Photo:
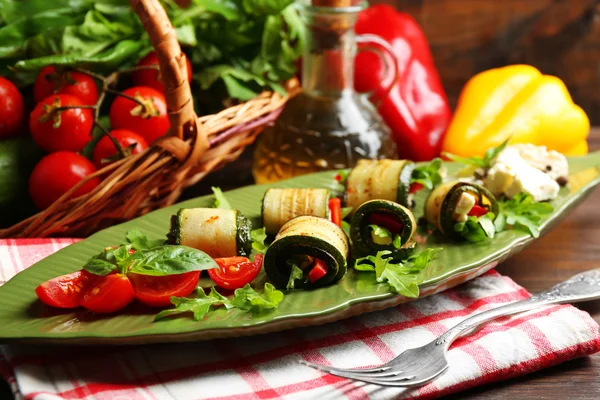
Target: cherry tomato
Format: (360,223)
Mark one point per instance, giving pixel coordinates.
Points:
(65,291)
(55,130)
(56,174)
(386,221)
(78,84)
(12,111)
(235,272)
(318,271)
(156,291)
(151,78)
(149,119)
(477,211)
(335,210)
(108,294)
(415,187)
(105,151)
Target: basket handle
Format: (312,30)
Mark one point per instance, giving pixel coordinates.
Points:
(171,61)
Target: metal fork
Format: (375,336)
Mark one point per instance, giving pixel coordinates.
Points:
(417,366)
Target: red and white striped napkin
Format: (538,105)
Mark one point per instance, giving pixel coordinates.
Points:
(266,366)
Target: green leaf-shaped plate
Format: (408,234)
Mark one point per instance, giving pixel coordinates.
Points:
(24,318)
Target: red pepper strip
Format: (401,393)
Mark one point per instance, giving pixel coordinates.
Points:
(416,109)
(388,222)
(335,210)
(415,187)
(477,211)
(318,271)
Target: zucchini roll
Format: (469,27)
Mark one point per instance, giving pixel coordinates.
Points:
(379,179)
(281,205)
(217,232)
(315,246)
(383,225)
(452,205)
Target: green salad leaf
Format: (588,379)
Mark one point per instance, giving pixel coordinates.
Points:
(220,199)
(296,274)
(345,224)
(522,212)
(379,231)
(258,240)
(199,306)
(428,175)
(141,241)
(111,259)
(477,229)
(248,299)
(485,162)
(170,260)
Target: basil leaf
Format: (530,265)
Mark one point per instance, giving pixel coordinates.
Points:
(428,175)
(220,199)
(295,274)
(169,260)
(111,259)
(140,241)
(99,266)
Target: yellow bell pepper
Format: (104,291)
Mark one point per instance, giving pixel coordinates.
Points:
(518,103)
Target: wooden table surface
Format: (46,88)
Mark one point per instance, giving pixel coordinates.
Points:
(571,247)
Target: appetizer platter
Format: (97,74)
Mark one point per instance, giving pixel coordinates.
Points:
(299,252)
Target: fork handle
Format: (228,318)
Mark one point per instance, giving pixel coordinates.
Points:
(581,287)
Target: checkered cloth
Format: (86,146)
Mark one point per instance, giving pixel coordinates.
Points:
(266,366)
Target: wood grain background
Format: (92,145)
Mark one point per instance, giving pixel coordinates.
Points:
(560,37)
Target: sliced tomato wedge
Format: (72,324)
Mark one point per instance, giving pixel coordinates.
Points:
(477,211)
(235,272)
(318,271)
(65,291)
(386,221)
(415,187)
(156,291)
(335,210)
(108,294)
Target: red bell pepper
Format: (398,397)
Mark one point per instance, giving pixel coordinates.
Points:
(416,108)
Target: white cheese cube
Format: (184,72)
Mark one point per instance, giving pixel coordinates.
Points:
(464,204)
(551,162)
(533,181)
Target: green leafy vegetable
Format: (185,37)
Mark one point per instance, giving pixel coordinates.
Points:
(169,260)
(220,199)
(476,229)
(380,231)
(296,274)
(258,240)
(403,277)
(479,162)
(428,175)
(111,259)
(140,241)
(522,212)
(245,298)
(345,224)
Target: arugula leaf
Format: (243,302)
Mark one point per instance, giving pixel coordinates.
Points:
(111,259)
(476,229)
(140,241)
(428,175)
(248,299)
(485,162)
(199,306)
(258,240)
(220,199)
(402,283)
(522,212)
(380,231)
(295,274)
(169,260)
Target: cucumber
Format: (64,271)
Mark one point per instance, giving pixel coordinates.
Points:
(281,205)
(360,232)
(442,201)
(379,179)
(312,237)
(216,231)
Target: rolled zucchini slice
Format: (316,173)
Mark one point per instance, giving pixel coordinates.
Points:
(379,179)
(216,231)
(449,203)
(301,242)
(281,205)
(396,222)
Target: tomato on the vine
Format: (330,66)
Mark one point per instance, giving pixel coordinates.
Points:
(150,77)
(56,174)
(108,294)
(50,81)
(235,272)
(156,291)
(11,109)
(146,116)
(65,291)
(55,128)
(105,151)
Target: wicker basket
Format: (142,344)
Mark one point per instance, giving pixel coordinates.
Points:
(156,177)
